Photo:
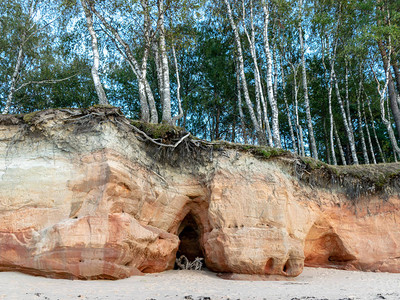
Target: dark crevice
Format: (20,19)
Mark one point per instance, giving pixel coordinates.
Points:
(189,236)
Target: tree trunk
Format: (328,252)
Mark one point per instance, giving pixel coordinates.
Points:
(287,110)
(260,134)
(397,76)
(160,81)
(385,121)
(299,130)
(393,96)
(328,156)
(96,57)
(128,54)
(347,101)
(166,90)
(371,147)
(342,156)
(375,135)
(331,119)
(363,144)
(270,87)
(306,99)
(239,95)
(260,98)
(178,89)
(14,79)
(349,133)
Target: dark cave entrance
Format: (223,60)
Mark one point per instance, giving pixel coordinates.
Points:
(189,235)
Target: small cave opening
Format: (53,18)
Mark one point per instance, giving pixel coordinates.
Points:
(323,247)
(189,235)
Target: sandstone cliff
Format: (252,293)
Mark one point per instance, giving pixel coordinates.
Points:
(84,194)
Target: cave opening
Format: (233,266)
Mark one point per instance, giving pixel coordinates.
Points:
(324,247)
(189,235)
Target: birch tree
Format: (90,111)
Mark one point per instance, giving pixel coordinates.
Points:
(311,137)
(256,124)
(165,89)
(260,98)
(145,93)
(349,132)
(382,94)
(96,57)
(270,87)
(30,31)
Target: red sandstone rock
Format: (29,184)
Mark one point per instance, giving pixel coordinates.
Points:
(93,204)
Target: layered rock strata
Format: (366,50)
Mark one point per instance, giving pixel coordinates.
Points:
(83,195)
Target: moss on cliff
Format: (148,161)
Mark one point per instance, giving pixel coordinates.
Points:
(159,131)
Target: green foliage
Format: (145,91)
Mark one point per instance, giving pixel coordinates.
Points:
(59,46)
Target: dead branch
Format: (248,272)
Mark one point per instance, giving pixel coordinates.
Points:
(44,81)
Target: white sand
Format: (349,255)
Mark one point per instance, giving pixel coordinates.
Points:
(313,284)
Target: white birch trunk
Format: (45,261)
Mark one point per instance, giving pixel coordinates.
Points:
(349,133)
(360,126)
(239,95)
(385,121)
(260,134)
(375,135)
(347,101)
(257,78)
(260,98)
(371,147)
(166,90)
(144,109)
(270,87)
(343,158)
(96,56)
(306,99)
(287,110)
(159,71)
(311,137)
(331,117)
(152,104)
(178,88)
(299,130)
(14,79)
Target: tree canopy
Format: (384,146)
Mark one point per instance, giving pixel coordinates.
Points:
(318,77)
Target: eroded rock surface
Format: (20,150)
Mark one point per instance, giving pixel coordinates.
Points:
(82,196)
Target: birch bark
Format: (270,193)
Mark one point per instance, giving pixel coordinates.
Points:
(166,90)
(360,125)
(14,79)
(270,87)
(260,98)
(375,135)
(299,130)
(128,54)
(385,121)
(259,132)
(295,149)
(178,88)
(311,137)
(239,95)
(349,133)
(343,158)
(96,57)
(371,147)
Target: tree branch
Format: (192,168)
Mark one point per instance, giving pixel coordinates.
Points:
(44,81)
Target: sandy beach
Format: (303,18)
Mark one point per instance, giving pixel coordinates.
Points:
(313,283)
